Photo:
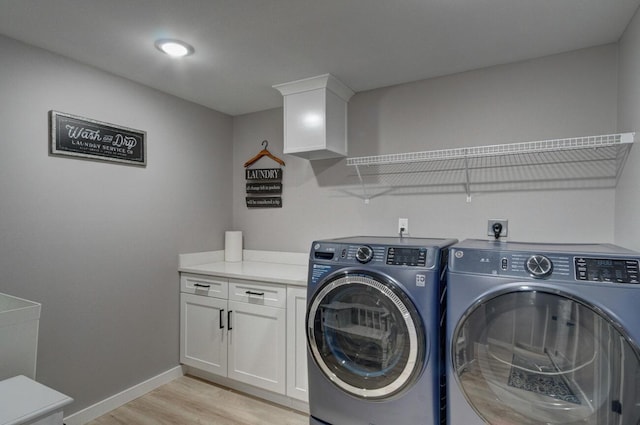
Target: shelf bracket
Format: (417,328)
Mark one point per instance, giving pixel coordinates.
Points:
(626,139)
(364,189)
(467,185)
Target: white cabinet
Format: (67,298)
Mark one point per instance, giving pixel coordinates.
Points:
(257,334)
(235,329)
(204,285)
(315,117)
(297,344)
(203,336)
(257,345)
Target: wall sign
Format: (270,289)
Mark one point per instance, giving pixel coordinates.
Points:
(264,187)
(264,181)
(91,139)
(264,202)
(263,174)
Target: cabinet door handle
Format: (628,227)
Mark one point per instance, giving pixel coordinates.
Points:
(261,294)
(229,319)
(221,314)
(201,285)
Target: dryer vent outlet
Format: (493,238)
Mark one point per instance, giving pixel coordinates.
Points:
(498,228)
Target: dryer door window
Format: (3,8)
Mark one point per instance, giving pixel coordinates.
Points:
(535,357)
(366,336)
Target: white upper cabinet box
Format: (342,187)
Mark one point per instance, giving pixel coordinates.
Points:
(315,117)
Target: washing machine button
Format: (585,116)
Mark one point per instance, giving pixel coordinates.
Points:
(538,266)
(364,254)
(504,264)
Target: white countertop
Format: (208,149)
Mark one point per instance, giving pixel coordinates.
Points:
(267,266)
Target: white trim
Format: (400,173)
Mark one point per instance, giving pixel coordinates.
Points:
(324,81)
(105,406)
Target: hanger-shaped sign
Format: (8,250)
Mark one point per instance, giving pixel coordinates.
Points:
(264,152)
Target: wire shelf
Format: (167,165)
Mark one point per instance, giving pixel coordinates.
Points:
(593,161)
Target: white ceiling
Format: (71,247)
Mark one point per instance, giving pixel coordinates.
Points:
(243,47)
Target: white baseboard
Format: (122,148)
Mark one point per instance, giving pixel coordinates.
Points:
(90,413)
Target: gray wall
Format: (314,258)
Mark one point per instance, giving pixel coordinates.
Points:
(567,95)
(97,243)
(627,229)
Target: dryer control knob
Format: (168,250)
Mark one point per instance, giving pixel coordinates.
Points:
(364,254)
(539,266)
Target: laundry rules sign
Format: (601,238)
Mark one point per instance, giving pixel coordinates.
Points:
(262,184)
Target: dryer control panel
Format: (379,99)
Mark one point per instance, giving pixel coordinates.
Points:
(547,264)
(606,270)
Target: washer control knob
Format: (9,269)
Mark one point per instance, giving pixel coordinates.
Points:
(364,254)
(539,266)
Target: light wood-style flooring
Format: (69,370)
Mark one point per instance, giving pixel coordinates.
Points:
(189,400)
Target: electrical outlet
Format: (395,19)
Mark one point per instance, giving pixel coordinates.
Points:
(502,225)
(403,226)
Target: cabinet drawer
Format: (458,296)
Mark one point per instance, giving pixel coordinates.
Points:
(204,285)
(259,293)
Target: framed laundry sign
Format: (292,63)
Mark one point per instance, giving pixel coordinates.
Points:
(262,183)
(75,136)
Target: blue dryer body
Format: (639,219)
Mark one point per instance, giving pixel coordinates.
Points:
(543,333)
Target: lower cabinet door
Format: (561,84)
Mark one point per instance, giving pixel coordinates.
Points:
(203,334)
(297,384)
(256,341)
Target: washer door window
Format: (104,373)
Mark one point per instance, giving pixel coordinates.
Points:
(533,357)
(366,335)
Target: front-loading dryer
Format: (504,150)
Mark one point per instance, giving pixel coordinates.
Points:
(542,334)
(373,330)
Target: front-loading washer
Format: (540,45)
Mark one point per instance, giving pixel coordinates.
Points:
(373,330)
(542,334)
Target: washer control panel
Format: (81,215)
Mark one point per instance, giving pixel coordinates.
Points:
(376,255)
(606,270)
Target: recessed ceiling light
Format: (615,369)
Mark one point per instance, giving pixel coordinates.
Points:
(174,48)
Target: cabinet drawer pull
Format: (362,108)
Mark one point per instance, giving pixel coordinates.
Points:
(229,319)
(221,324)
(261,294)
(201,285)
